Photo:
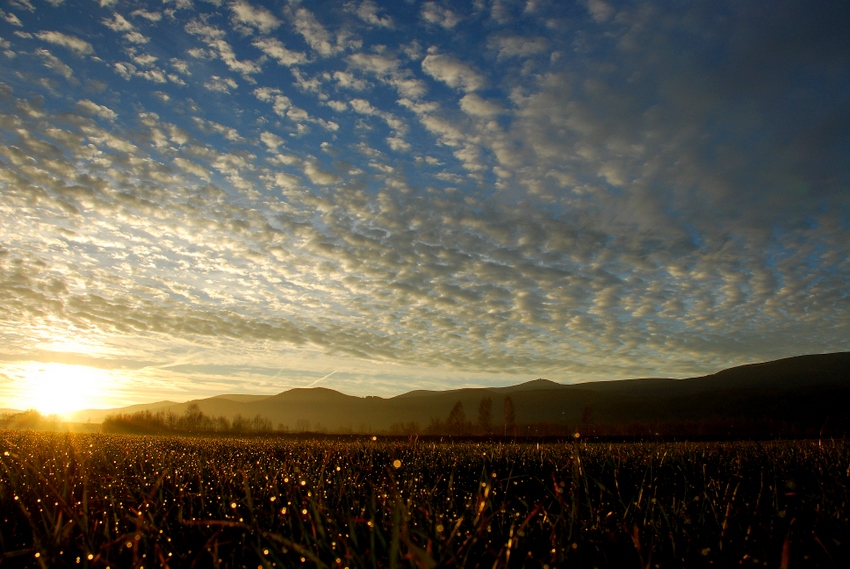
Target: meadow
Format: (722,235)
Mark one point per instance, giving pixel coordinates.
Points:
(93,500)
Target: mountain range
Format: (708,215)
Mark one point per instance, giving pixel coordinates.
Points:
(798,395)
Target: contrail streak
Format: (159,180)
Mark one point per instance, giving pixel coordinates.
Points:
(322,378)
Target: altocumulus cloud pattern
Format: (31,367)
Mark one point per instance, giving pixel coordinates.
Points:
(199,196)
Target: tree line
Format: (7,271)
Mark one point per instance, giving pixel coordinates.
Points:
(30,420)
(488,423)
(457,423)
(192,421)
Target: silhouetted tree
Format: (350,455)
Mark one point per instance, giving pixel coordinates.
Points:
(457,419)
(260,424)
(172,420)
(435,426)
(485,414)
(239,424)
(222,425)
(193,417)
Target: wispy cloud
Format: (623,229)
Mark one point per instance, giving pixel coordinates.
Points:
(73,43)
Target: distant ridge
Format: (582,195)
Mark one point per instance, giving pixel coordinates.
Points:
(97,415)
(794,395)
(241,397)
(532,385)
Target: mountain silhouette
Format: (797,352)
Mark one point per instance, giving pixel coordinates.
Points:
(798,395)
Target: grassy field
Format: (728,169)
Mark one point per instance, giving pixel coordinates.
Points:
(122,501)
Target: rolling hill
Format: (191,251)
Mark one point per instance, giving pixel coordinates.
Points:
(804,394)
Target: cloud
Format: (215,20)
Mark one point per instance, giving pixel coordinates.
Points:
(271,140)
(381,65)
(177,135)
(75,44)
(398,144)
(453,72)
(367,11)
(319,176)
(125,70)
(283,107)
(349,81)
(275,49)
(474,105)
(11,18)
(179,4)
(152,17)
(142,59)
(286,181)
(600,10)
(192,168)
(180,66)
(260,19)
(364,107)
(208,126)
(204,31)
(280,102)
(438,15)
(136,37)
(93,108)
(518,46)
(118,23)
(56,64)
(630,208)
(314,33)
(214,38)
(221,84)
(143,66)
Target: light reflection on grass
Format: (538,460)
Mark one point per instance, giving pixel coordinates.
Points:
(128,500)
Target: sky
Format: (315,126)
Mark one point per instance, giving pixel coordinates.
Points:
(234,196)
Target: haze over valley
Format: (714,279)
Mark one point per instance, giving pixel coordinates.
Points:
(794,396)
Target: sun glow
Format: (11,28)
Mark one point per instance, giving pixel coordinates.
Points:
(52,388)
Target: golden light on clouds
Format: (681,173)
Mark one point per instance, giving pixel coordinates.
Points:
(203,197)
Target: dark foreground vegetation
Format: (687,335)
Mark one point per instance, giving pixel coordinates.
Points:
(118,501)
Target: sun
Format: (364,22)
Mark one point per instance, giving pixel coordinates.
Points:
(59,389)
